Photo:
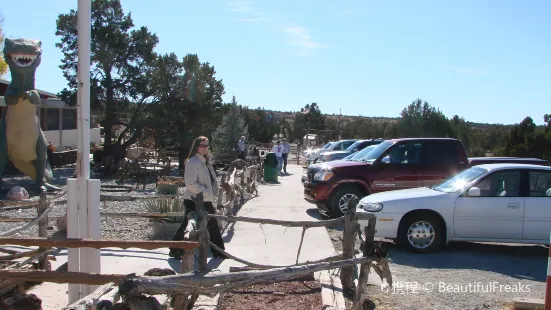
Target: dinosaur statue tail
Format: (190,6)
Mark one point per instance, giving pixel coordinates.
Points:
(48,174)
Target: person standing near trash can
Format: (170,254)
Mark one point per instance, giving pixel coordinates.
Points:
(199,177)
(286,151)
(241,148)
(278,151)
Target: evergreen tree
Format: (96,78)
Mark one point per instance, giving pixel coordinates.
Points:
(226,136)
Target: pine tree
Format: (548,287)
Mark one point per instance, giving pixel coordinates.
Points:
(226,136)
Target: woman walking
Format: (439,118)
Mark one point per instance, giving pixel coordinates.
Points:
(199,177)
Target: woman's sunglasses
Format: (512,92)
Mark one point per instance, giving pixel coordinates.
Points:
(203,145)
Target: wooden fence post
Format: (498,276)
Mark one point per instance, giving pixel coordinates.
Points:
(219,204)
(181,302)
(348,244)
(43,224)
(242,186)
(360,293)
(204,237)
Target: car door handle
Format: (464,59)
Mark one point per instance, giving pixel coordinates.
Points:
(513,206)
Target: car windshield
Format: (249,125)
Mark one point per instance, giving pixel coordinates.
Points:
(353,146)
(363,153)
(327,145)
(377,151)
(458,181)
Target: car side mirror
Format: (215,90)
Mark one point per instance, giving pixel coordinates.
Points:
(385,160)
(474,192)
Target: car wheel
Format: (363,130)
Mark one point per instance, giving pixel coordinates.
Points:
(421,233)
(341,198)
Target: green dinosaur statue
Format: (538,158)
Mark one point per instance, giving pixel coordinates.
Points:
(21,138)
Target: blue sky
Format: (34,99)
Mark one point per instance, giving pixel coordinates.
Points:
(486,60)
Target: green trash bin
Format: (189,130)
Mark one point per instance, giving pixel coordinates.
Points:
(270,168)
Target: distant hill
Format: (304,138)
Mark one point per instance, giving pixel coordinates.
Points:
(289,117)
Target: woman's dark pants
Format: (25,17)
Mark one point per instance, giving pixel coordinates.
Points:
(212,226)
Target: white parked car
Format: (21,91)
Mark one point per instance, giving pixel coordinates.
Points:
(508,203)
(312,154)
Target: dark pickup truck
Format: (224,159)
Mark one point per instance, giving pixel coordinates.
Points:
(392,165)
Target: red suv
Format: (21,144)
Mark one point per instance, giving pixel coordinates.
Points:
(393,164)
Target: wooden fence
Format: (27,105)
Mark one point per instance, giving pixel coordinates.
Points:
(194,279)
(233,187)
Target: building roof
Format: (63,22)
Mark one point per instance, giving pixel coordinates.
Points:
(49,103)
(44,94)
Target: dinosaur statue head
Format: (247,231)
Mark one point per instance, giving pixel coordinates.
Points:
(22,55)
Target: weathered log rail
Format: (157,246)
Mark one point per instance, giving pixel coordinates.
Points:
(235,183)
(40,255)
(98,243)
(230,190)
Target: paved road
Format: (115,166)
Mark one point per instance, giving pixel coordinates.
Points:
(496,273)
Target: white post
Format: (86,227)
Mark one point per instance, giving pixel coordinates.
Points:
(94,230)
(84,192)
(83,127)
(83,113)
(73,255)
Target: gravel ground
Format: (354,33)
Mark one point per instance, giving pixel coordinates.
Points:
(111,228)
(497,273)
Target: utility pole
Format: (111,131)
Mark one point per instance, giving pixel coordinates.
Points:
(308,130)
(339,126)
(306,112)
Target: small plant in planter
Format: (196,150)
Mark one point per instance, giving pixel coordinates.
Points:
(166,227)
(169,185)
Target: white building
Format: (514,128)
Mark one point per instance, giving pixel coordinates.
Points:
(57,119)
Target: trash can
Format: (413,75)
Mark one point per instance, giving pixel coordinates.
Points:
(270,168)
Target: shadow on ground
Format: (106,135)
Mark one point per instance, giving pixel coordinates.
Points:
(228,231)
(212,264)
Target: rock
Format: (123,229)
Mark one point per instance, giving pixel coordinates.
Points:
(20,301)
(159,272)
(17,193)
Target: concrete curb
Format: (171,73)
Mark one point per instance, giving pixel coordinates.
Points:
(206,303)
(528,303)
(331,290)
